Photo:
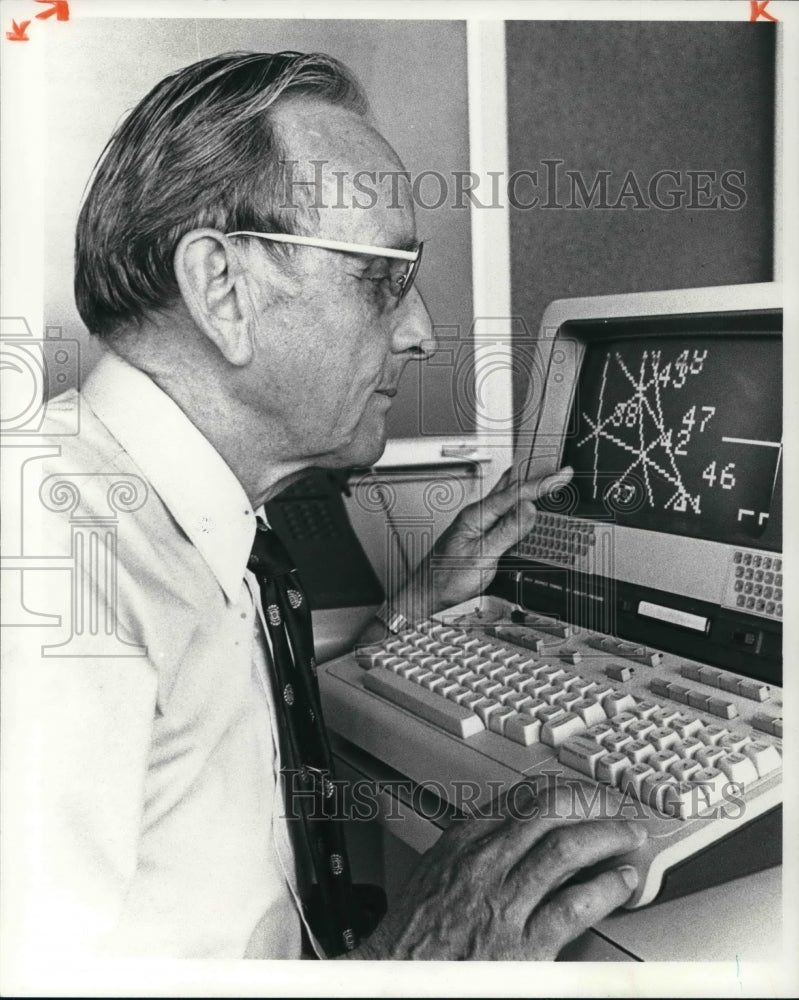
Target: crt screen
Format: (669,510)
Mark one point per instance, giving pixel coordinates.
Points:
(681,434)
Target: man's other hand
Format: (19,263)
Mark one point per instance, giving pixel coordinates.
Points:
(493,889)
(463,561)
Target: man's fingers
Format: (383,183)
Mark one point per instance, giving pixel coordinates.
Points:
(534,489)
(573,910)
(519,515)
(564,846)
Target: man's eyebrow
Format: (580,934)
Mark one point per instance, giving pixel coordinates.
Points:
(409,244)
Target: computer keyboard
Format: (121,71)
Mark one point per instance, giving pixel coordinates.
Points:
(693,750)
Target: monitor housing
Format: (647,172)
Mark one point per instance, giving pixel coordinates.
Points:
(668,406)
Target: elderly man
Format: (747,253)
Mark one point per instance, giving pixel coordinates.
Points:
(255,330)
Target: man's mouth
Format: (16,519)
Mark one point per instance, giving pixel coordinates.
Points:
(391,393)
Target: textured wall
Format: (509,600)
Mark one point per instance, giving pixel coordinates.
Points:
(639,97)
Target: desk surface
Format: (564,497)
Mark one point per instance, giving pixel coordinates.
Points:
(739,920)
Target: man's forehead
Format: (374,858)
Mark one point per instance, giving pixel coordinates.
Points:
(348,172)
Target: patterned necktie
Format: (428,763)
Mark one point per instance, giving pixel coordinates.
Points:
(288,620)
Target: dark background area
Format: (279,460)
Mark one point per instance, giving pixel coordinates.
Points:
(640,97)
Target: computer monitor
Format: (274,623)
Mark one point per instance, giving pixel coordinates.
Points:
(668,406)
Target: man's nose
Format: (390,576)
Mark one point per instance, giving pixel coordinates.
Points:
(414,328)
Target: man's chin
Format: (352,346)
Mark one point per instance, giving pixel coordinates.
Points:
(360,453)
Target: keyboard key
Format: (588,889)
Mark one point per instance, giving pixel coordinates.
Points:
(486,708)
(662,738)
(471,700)
(619,701)
(690,670)
(611,767)
(535,706)
(459,694)
(600,731)
(366,656)
(640,654)
(686,725)
(662,760)
(682,769)
(433,682)
(497,720)
(458,638)
(754,690)
(550,713)
(638,751)
(568,699)
(711,676)
(680,800)
(646,709)
(679,692)
(764,722)
(487,687)
(557,731)
(699,700)
(665,716)
(582,754)
(735,742)
(522,729)
(640,728)
(602,690)
(660,687)
(739,768)
(408,670)
(710,756)
(722,708)
(619,671)
(504,694)
(712,734)
(654,788)
(552,673)
(633,778)
(729,682)
(550,693)
(591,712)
(711,782)
(518,700)
(629,650)
(765,757)
(447,715)
(571,656)
(690,746)
(469,678)
(520,637)
(527,685)
(470,660)
(617,742)
(621,721)
(449,687)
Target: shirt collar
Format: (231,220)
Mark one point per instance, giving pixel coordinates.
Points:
(191,477)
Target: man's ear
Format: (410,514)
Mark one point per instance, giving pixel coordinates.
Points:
(212,283)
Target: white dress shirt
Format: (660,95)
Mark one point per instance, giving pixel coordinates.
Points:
(143,748)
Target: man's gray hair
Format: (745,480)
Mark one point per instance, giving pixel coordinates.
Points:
(200,150)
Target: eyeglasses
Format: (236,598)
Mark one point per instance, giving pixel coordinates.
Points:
(401,277)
